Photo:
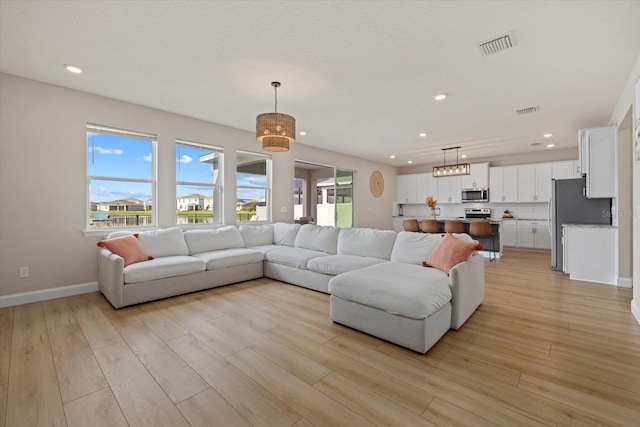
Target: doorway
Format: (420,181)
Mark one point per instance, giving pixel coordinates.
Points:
(323,194)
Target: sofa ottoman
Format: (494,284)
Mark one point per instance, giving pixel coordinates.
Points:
(406,304)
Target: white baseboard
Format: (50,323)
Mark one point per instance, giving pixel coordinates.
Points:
(625,282)
(46,294)
(635,309)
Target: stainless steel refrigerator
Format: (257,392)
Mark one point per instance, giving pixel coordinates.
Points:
(569,205)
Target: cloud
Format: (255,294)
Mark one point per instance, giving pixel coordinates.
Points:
(109,194)
(148,158)
(261,180)
(185,159)
(101,150)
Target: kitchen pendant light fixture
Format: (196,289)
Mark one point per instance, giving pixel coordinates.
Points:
(275,130)
(451,170)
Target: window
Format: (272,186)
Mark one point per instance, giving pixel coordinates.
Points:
(120,178)
(253,187)
(198,183)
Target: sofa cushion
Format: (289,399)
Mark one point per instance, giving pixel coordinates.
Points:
(230,257)
(450,252)
(285,234)
(318,238)
(366,242)
(398,288)
(256,235)
(213,239)
(415,248)
(265,248)
(164,242)
(338,264)
(126,247)
(292,257)
(159,268)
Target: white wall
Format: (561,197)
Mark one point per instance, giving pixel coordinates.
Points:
(630,99)
(42,177)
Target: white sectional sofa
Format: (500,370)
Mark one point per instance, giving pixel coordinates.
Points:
(375,277)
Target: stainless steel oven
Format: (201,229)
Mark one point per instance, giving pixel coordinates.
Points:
(477,213)
(475,195)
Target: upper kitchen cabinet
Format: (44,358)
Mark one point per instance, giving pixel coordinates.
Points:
(565,170)
(407,187)
(534,182)
(598,148)
(449,189)
(503,184)
(415,188)
(479,177)
(427,186)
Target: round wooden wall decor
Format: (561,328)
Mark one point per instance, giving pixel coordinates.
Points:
(376,183)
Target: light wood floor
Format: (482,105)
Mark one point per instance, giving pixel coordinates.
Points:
(540,350)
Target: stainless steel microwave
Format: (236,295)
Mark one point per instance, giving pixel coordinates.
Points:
(475,195)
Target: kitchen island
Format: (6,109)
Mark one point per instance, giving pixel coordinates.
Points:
(590,252)
(496,228)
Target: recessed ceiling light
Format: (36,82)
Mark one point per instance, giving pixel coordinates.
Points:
(410,161)
(440,97)
(303,133)
(464,156)
(72,68)
(393,156)
(551,145)
(422,135)
(548,135)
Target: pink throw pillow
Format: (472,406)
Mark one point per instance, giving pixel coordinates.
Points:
(126,247)
(450,252)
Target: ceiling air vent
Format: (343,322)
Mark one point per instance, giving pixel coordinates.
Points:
(527,110)
(496,45)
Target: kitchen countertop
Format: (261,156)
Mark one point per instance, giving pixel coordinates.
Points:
(589,225)
(443,219)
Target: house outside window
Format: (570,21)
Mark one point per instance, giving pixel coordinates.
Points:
(253,187)
(198,183)
(121,181)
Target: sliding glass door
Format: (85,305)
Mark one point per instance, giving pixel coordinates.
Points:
(344,198)
(329,194)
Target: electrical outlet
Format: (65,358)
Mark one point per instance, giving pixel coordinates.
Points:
(24,272)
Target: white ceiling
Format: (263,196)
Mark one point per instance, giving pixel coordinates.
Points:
(358,76)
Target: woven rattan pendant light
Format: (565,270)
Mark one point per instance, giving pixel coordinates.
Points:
(275,130)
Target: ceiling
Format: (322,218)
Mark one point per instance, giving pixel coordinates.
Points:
(359,76)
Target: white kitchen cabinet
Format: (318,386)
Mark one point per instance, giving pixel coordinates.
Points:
(401,189)
(565,170)
(590,253)
(533,235)
(415,188)
(479,177)
(503,184)
(449,189)
(398,224)
(426,186)
(534,182)
(407,188)
(598,147)
(509,234)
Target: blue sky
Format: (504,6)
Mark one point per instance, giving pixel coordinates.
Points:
(122,157)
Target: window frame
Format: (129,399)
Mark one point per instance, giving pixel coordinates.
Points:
(108,130)
(218,199)
(268,191)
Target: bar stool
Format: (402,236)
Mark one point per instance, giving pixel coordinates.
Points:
(452,226)
(429,226)
(483,229)
(410,225)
